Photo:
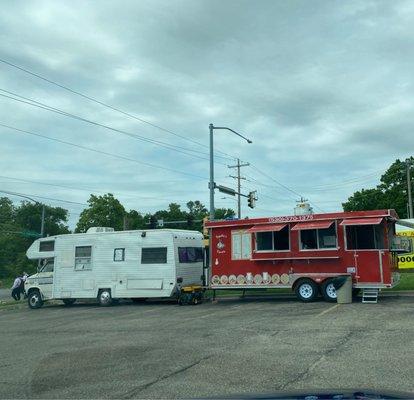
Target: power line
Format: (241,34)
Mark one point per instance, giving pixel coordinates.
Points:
(35,103)
(43,197)
(101,152)
(108,106)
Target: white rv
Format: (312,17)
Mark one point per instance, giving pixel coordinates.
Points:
(106,265)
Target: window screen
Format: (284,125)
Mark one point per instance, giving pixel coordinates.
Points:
(273,241)
(190,254)
(83,258)
(318,238)
(47,245)
(154,255)
(365,237)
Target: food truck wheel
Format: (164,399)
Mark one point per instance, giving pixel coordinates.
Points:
(68,302)
(306,290)
(328,291)
(35,299)
(105,298)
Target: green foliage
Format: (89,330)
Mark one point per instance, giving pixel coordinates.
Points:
(103,210)
(19,225)
(15,224)
(390,193)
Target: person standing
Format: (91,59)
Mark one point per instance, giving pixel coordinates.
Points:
(16,288)
(23,281)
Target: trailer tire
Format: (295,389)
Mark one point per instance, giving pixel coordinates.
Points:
(68,302)
(328,291)
(34,299)
(306,290)
(105,298)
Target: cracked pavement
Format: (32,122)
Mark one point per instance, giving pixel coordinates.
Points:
(158,349)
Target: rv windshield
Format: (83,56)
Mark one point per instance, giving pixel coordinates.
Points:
(47,265)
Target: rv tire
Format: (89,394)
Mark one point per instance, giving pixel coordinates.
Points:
(328,291)
(68,302)
(306,290)
(34,299)
(105,298)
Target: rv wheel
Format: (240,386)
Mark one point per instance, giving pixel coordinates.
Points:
(68,302)
(35,299)
(105,298)
(306,290)
(328,291)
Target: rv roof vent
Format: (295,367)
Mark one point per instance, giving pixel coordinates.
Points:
(99,229)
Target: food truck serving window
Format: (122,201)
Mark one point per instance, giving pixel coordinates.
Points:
(241,245)
(273,240)
(317,235)
(364,237)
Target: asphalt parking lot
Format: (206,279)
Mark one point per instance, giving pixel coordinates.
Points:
(161,350)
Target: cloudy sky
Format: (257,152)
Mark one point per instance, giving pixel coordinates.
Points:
(324,89)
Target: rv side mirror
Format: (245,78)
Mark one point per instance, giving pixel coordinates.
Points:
(180,280)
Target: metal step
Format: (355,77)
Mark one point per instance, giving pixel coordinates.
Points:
(370,295)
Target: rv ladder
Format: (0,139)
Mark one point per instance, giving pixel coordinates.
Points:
(370,295)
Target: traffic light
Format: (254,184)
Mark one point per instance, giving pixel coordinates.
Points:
(251,199)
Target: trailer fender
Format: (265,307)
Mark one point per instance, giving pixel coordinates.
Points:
(300,279)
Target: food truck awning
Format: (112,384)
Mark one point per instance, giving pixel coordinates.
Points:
(301,226)
(267,228)
(361,221)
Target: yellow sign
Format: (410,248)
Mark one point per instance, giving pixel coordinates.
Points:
(406,261)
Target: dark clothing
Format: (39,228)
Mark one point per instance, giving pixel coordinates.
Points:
(16,293)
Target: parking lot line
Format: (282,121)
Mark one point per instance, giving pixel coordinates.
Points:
(327,310)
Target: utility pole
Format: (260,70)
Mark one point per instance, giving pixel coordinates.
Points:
(410,201)
(42,225)
(239,178)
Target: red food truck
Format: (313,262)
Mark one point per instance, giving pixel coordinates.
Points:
(306,252)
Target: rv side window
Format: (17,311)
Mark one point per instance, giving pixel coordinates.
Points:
(273,241)
(364,237)
(154,255)
(48,245)
(190,254)
(318,238)
(83,258)
(241,246)
(119,254)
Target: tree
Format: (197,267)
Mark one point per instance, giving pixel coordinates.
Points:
(390,193)
(103,210)
(15,221)
(135,220)
(224,213)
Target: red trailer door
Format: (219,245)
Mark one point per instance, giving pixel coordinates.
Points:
(369,266)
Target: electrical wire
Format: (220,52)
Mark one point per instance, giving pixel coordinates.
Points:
(42,197)
(101,152)
(109,106)
(46,107)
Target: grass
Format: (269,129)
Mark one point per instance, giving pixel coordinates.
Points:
(6,283)
(406,282)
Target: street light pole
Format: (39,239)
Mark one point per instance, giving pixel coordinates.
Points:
(212,184)
(42,225)
(410,201)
